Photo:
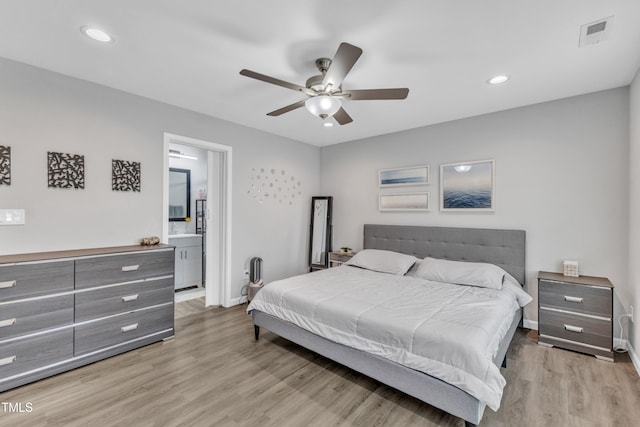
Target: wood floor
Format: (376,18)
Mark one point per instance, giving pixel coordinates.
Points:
(214,374)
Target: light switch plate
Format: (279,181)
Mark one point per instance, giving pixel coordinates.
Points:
(12,217)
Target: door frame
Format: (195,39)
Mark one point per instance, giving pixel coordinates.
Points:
(220,294)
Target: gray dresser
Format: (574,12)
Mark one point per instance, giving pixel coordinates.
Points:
(576,313)
(61,310)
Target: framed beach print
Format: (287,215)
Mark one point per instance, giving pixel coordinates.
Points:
(415,175)
(412,202)
(468,186)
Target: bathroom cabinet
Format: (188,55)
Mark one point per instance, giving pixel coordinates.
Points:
(188,260)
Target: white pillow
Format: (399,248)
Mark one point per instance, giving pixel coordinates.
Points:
(510,284)
(383,261)
(462,273)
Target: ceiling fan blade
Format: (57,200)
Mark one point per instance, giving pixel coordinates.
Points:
(341,64)
(273,80)
(367,94)
(342,117)
(287,108)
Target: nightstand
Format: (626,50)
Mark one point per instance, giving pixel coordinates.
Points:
(576,313)
(338,258)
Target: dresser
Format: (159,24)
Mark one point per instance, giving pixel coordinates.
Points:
(61,310)
(576,313)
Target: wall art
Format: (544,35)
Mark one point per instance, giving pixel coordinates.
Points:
(5,165)
(416,202)
(125,175)
(270,185)
(415,175)
(65,170)
(467,186)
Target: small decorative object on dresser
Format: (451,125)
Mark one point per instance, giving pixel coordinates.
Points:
(339,257)
(576,313)
(570,268)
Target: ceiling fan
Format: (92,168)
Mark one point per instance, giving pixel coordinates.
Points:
(325,92)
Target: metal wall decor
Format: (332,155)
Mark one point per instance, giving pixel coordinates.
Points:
(65,170)
(270,185)
(5,165)
(125,175)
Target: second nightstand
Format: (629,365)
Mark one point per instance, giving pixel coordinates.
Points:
(576,313)
(338,258)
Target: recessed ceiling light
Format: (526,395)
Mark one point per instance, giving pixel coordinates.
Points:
(497,80)
(96,34)
(327,124)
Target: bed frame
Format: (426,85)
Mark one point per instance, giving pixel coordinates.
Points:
(505,248)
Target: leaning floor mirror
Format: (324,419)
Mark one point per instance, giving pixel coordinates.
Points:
(320,233)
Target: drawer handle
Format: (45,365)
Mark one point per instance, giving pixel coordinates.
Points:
(572,299)
(7,360)
(130,267)
(8,322)
(9,284)
(573,329)
(130,298)
(128,328)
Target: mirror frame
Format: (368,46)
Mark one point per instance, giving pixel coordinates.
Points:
(187,172)
(327,235)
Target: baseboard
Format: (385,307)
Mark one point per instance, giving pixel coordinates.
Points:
(238,301)
(634,357)
(530,324)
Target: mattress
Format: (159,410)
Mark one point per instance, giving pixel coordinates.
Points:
(448,331)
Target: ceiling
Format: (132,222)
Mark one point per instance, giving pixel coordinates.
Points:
(189,53)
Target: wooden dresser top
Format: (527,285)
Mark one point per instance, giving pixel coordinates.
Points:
(76,253)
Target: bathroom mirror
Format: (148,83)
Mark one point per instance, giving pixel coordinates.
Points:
(179,194)
(320,243)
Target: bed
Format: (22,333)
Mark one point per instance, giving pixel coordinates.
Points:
(391,366)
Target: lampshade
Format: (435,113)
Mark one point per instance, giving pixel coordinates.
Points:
(323,105)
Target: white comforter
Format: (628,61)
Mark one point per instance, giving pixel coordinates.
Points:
(451,332)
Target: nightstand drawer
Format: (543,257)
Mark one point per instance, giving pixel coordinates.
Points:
(31,353)
(119,329)
(119,299)
(591,300)
(27,317)
(34,279)
(587,330)
(106,270)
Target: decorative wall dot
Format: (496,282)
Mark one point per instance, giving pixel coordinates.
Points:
(265,181)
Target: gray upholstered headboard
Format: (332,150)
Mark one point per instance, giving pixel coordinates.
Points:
(505,248)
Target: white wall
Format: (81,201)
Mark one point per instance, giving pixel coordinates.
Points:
(42,111)
(561,175)
(632,292)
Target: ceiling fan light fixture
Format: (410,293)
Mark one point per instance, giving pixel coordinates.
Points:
(323,105)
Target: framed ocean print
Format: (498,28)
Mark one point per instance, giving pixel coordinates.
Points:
(468,186)
(406,202)
(414,175)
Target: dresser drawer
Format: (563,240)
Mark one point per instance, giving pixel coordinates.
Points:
(34,279)
(119,329)
(106,270)
(591,300)
(27,317)
(35,352)
(103,302)
(586,330)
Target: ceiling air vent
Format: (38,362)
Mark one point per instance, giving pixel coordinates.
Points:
(595,32)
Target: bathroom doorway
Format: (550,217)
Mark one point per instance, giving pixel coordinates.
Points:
(208,166)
